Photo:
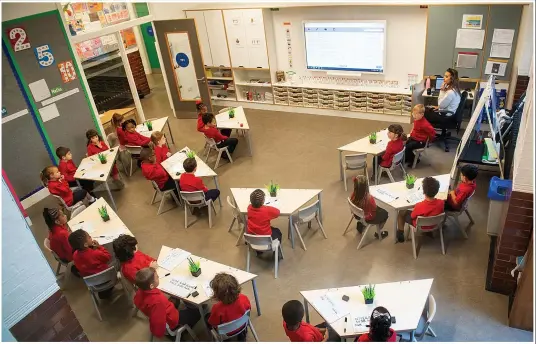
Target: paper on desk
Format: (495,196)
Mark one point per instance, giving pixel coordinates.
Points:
(357,322)
(86,226)
(87,165)
(108,238)
(272,202)
(444,183)
(92,174)
(329,307)
(173,258)
(208,290)
(383,195)
(415,197)
(178,286)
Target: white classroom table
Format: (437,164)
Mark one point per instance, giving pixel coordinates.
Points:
(91,168)
(158,125)
(400,190)
(289,201)
(363,145)
(404,300)
(209,269)
(239,122)
(173,166)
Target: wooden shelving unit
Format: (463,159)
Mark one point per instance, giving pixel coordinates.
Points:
(220,83)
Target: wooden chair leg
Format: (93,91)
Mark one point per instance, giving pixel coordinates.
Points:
(297,230)
(349,223)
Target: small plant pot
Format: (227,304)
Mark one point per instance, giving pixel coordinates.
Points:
(103,161)
(196,274)
(105,218)
(372,141)
(273,194)
(410,186)
(150,127)
(231,115)
(369,301)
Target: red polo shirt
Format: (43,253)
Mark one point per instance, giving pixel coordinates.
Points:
(59,242)
(189,182)
(422,130)
(200,123)
(259,219)
(161,153)
(222,313)
(365,337)
(214,133)
(94,149)
(427,208)
(393,147)
(305,333)
(138,262)
(369,208)
(155,305)
(61,189)
(154,172)
(68,169)
(121,136)
(136,139)
(91,261)
(463,191)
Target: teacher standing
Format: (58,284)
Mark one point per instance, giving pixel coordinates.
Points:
(448,100)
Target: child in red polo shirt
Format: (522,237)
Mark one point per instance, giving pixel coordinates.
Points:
(431,206)
(58,236)
(212,132)
(164,318)
(260,215)
(89,257)
(396,136)
(300,331)
(380,327)
(151,170)
(132,137)
(132,260)
(190,183)
(96,145)
(231,303)
(464,190)
(158,144)
(201,110)
(57,185)
(68,169)
(361,198)
(117,121)
(422,131)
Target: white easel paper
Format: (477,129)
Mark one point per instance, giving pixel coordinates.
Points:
(39,90)
(470,38)
(49,112)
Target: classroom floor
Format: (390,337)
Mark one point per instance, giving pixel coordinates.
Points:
(300,151)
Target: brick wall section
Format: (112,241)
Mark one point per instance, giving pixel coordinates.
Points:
(521,86)
(513,242)
(136,65)
(52,321)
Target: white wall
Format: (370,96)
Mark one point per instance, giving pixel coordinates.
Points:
(168,10)
(406,37)
(13,10)
(27,279)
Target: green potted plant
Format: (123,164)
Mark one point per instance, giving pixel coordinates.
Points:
(410,181)
(149,125)
(190,154)
(231,113)
(369,293)
(194,267)
(104,213)
(102,158)
(372,138)
(272,188)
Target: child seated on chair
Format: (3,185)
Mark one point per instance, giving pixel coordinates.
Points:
(380,327)
(89,257)
(158,144)
(132,260)
(430,206)
(230,305)
(396,136)
(156,306)
(68,169)
(57,185)
(58,236)
(132,137)
(422,130)
(212,132)
(464,190)
(201,110)
(299,331)
(96,145)
(153,171)
(189,182)
(117,121)
(260,215)
(362,199)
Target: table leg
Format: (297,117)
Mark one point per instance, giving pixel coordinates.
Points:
(248,138)
(256,295)
(217,187)
(340,165)
(290,230)
(110,194)
(202,312)
(306,307)
(396,225)
(170,134)
(376,167)
(78,183)
(320,205)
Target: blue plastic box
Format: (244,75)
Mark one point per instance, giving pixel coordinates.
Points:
(499,189)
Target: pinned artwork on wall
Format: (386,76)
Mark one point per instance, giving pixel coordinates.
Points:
(289,43)
(67,71)
(18,38)
(44,56)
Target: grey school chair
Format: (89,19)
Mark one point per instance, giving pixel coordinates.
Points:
(210,144)
(196,199)
(132,150)
(220,333)
(436,222)
(424,327)
(77,211)
(355,211)
(307,215)
(457,213)
(72,208)
(238,218)
(263,243)
(59,260)
(398,161)
(113,141)
(177,333)
(354,162)
(163,195)
(418,152)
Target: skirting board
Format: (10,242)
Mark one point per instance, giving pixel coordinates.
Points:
(35,198)
(313,111)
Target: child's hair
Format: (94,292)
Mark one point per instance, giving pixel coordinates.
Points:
(208,118)
(117,118)
(430,186)
(257,198)
(125,123)
(145,154)
(62,151)
(398,130)
(225,287)
(77,239)
(292,312)
(92,133)
(380,324)
(156,137)
(419,108)
(50,215)
(198,105)
(45,174)
(189,165)
(470,171)
(144,278)
(124,247)
(361,190)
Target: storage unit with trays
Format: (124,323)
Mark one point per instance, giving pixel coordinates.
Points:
(358,101)
(220,83)
(406,105)
(392,104)
(326,99)
(375,102)
(280,95)
(342,100)
(295,96)
(310,97)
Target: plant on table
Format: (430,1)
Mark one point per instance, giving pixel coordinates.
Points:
(149,125)
(231,113)
(369,293)
(102,158)
(194,267)
(190,154)
(103,212)
(272,188)
(410,181)
(372,138)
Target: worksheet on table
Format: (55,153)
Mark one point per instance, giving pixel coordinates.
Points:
(173,258)
(330,306)
(383,195)
(108,238)
(179,286)
(84,225)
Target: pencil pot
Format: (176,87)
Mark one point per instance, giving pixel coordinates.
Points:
(410,186)
(273,194)
(196,273)
(231,113)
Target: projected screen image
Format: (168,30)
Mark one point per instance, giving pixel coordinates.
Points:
(354,46)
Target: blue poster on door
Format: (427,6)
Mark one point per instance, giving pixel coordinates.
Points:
(150,31)
(182,60)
